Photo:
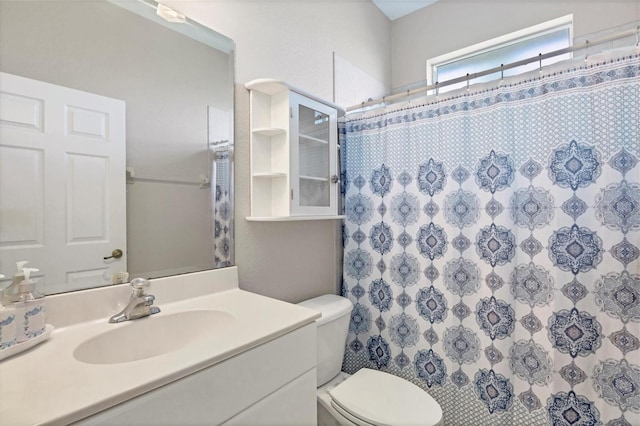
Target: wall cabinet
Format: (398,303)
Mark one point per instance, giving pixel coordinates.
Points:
(294,154)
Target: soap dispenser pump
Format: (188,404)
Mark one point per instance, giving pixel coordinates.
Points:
(30,311)
(10,294)
(18,277)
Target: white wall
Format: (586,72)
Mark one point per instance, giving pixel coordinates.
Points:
(449,25)
(291,40)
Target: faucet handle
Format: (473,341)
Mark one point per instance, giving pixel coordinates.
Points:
(140,285)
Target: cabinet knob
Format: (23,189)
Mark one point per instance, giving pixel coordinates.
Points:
(335,179)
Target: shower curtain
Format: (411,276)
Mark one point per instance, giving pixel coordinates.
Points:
(491,247)
(221,193)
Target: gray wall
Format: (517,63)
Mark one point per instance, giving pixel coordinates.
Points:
(292,41)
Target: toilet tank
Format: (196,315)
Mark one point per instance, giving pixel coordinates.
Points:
(332,329)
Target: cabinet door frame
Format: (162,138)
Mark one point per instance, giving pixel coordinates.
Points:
(296,209)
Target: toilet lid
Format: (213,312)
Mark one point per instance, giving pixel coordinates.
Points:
(383,399)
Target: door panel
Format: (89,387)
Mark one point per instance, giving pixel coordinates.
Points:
(21,111)
(21,205)
(87,208)
(86,123)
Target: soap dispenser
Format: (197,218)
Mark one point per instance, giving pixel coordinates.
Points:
(8,329)
(30,311)
(10,294)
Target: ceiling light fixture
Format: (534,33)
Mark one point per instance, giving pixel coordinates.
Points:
(169,14)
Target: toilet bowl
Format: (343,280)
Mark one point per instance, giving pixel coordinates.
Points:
(368,397)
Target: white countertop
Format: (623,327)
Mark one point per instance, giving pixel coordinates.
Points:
(47,385)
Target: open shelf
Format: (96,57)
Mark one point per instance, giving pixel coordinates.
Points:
(269,131)
(269,175)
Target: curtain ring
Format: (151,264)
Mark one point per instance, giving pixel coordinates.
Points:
(638,36)
(467,82)
(540,62)
(586,48)
(437,90)
(408,96)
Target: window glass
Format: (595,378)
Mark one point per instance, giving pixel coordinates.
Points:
(504,53)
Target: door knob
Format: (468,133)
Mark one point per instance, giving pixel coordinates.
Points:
(116,254)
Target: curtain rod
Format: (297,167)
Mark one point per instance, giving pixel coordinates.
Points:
(502,67)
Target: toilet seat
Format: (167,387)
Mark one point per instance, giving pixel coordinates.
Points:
(375,398)
(348,416)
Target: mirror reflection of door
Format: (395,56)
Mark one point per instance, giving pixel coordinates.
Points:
(62,180)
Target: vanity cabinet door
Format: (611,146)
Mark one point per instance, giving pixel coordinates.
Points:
(293,404)
(313,156)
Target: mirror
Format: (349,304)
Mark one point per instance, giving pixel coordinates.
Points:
(83,84)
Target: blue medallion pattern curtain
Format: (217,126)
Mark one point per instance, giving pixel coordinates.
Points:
(491,247)
(222,224)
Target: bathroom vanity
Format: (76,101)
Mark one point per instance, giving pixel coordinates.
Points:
(215,354)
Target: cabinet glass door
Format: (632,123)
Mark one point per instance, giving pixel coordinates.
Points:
(315,128)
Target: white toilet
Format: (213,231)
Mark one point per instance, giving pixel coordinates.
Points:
(369,397)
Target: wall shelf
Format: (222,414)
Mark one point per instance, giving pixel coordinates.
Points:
(269,131)
(293,154)
(269,175)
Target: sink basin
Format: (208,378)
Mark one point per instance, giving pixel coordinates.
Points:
(151,336)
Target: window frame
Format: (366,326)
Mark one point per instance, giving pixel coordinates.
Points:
(561,23)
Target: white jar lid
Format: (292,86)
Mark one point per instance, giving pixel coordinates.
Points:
(382,399)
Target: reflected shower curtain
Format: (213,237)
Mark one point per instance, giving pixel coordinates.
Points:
(221,188)
(491,248)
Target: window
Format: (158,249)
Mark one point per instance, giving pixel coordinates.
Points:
(542,38)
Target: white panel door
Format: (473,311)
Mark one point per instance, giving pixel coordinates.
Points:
(62,183)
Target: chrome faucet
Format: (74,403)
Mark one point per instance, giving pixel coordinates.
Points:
(140,304)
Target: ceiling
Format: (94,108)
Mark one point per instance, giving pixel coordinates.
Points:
(395,9)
